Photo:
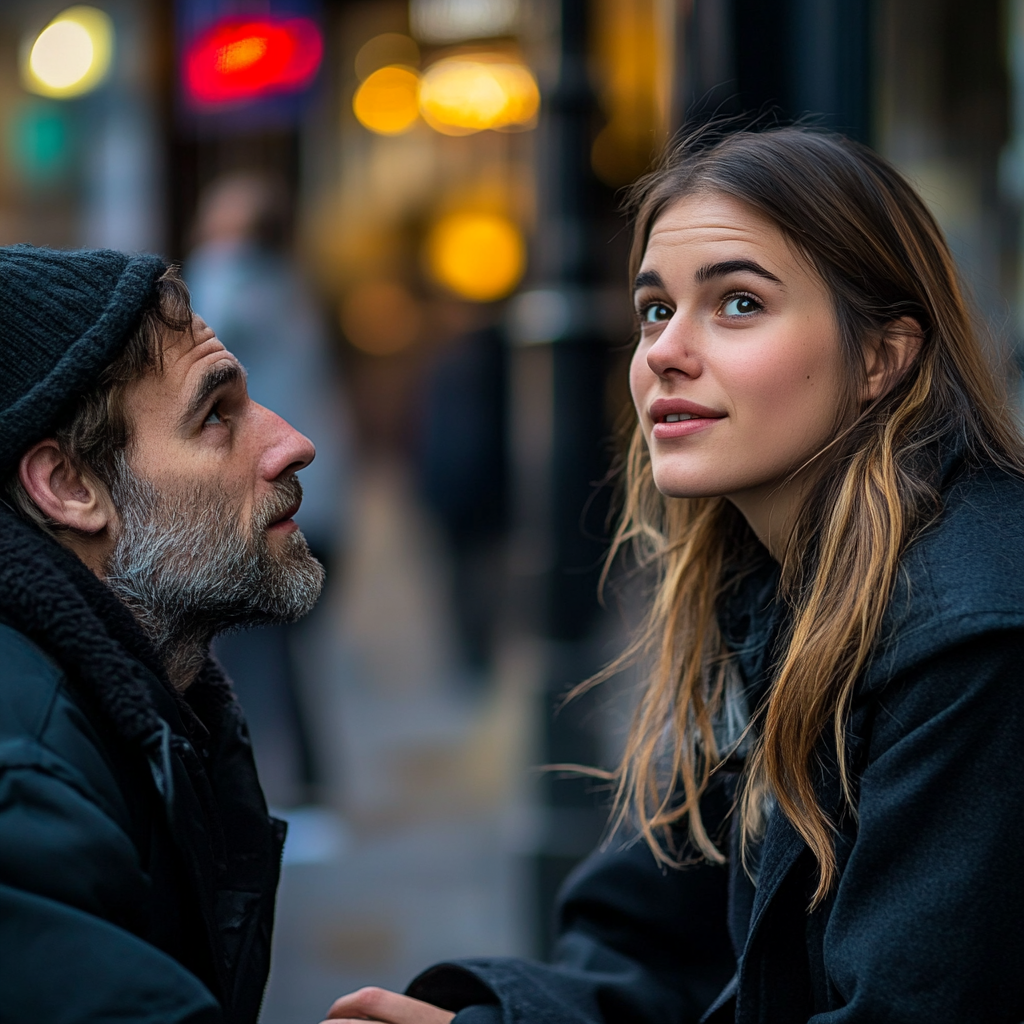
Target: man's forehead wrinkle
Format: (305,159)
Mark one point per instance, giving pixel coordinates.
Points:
(181,359)
(214,356)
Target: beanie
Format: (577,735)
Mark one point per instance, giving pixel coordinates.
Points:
(64,317)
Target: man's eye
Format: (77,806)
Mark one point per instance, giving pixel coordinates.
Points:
(656,312)
(741,305)
(214,417)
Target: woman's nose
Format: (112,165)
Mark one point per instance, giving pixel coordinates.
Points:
(676,350)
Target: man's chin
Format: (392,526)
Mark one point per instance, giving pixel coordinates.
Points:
(290,579)
(290,549)
(296,579)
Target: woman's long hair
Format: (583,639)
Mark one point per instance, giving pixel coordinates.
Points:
(871,239)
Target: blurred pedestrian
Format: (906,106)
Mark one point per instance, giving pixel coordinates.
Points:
(147,505)
(462,467)
(818,812)
(243,281)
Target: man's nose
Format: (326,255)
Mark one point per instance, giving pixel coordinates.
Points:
(287,450)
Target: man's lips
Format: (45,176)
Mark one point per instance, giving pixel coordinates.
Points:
(285,518)
(678,417)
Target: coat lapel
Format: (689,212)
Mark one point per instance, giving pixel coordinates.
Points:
(780,850)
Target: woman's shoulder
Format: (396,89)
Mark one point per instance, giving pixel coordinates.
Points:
(963,576)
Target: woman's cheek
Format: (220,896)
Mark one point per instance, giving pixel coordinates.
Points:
(641,378)
(790,404)
(758,389)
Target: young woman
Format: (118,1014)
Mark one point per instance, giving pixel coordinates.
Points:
(824,773)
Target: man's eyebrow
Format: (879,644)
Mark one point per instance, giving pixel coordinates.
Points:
(212,381)
(710,270)
(648,279)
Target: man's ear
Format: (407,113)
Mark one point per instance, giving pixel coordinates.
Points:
(889,355)
(69,496)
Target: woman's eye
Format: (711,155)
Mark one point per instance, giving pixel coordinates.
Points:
(655,313)
(741,305)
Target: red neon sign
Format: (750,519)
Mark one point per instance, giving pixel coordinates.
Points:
(242,60)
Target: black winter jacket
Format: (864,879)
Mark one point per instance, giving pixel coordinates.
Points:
(926,923)
(138,865)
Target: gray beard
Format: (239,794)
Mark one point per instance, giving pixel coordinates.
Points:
(187,570)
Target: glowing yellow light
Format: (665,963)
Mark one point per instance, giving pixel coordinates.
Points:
(236,56)
(521,94)
(633,72)
(386,102)
(72,54)
(479,256)
(460,95)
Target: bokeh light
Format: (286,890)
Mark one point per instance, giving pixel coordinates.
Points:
(460,95)
(632,75)
(387,102)
(239,60)
(39,141)
(381,318)
(478,256)
(72,55)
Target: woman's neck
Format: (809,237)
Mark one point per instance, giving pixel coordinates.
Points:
(771,511)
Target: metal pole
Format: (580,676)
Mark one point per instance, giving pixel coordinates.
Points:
(572,816)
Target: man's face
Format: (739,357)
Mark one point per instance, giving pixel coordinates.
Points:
(194,425)
(206,538)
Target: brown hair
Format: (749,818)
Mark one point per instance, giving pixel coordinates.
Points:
(96,429)
(882,256)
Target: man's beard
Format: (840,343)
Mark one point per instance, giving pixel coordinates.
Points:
(187,569)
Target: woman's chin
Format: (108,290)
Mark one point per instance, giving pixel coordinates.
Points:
(684,485)
(684,481)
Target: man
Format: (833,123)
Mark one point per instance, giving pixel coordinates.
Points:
(147,505)
(243,279)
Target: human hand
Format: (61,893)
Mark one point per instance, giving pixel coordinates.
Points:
(386,1007)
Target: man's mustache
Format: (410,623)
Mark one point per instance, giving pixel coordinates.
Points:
(287,494)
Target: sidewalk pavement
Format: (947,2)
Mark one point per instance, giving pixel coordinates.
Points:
(416,852)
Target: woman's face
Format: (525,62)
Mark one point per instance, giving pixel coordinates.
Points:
(738,378)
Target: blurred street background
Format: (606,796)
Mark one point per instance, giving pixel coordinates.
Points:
(402,216)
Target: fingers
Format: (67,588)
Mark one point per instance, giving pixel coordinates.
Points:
(378,1004)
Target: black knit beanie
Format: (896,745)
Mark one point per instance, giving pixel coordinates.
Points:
(64,317)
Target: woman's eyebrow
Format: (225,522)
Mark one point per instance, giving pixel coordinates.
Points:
(710,270)
(648,279)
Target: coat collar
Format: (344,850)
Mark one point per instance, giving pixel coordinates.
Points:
(749,618)
(51,596)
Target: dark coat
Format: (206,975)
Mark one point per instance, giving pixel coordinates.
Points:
(926,923)
(138,865)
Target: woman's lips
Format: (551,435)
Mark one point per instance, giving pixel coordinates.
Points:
(683,428)
(678,417)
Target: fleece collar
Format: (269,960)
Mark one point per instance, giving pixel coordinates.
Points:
(50,596)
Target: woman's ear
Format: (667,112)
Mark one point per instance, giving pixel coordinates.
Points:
(889,355)
(67,495)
